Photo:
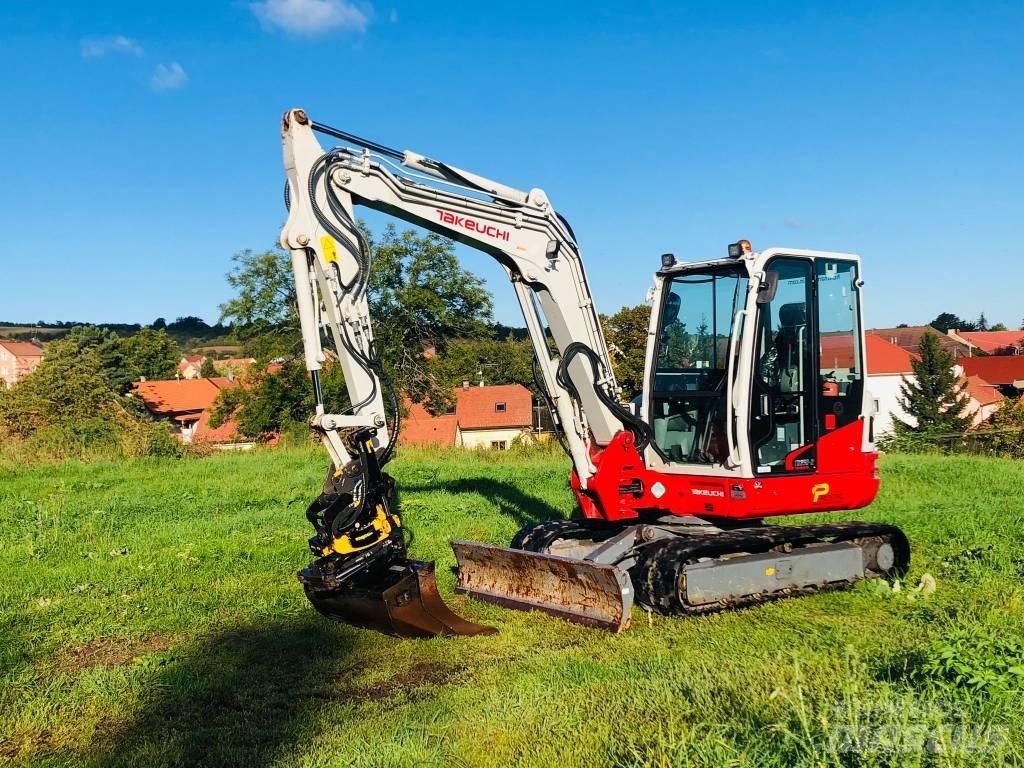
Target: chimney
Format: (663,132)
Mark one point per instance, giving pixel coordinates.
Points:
(465,385)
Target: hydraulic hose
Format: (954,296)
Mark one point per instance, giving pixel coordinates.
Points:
(641,431)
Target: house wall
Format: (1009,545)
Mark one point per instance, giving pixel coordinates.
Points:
(13,368)
(482,438)
(885,390)
(980,413)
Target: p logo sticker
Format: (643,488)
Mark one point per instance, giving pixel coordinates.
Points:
(819,490)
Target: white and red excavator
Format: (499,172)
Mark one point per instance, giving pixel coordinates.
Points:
(754,405)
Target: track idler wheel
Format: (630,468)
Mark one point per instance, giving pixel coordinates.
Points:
(402,601)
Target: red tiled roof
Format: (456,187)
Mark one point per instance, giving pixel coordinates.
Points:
(982,391)
(170,397)
(885,358)
(225,433)
(477,407)
(422,428)
(193,358)
(910,338)
(995,369)
(22,348)
(993,341)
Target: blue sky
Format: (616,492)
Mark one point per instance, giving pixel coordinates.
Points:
(141,147)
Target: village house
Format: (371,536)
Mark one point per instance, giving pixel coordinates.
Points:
(908,337)
(1004,372)
(887,365)
(483,417)
(189,367)
(17,360)
(183,402)
(991,342)
(983,399)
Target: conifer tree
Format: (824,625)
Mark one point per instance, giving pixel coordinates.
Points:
(933,397)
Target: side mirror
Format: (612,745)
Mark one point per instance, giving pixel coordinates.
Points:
(766,290)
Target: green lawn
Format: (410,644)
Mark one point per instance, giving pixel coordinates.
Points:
(150,616)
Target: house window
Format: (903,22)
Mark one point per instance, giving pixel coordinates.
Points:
(499,407)
(878,407)
(499,445)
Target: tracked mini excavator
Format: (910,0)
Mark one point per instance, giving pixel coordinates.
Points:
(754,405)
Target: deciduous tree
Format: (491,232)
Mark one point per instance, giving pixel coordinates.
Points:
(421,298)
(151,354)
(626,335)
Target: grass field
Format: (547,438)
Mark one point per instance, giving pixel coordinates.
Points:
(150,616)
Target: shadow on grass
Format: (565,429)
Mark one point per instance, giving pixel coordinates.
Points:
(510,501)
(242,698)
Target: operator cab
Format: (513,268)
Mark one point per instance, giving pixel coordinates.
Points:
(777,333)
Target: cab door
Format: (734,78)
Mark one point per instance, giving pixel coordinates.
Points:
(782,423)
(808,373)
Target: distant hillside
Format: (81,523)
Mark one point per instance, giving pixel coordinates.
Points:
(187,331)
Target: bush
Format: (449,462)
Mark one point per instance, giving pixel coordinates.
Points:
(978,662)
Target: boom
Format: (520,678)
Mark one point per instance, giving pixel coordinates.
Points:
(521,230)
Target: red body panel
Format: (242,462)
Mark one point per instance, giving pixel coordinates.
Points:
(622,488)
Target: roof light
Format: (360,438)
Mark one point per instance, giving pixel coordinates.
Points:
(739,249)
(668,260)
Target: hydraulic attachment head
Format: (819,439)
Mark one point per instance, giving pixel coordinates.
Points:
(362,575)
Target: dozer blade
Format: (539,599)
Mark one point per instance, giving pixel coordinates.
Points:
(402,601)
(577,590)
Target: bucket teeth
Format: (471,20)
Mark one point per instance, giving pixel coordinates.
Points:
(401,600)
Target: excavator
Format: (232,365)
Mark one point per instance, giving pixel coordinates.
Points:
(754,405)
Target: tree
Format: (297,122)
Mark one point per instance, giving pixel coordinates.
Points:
(68,388)
(151,354)
(626,334)
(271,403)
(981,324)
(947,321)
(1006,429)
(933,397)
(159,324)
(420,297)
(998,327)
(110,352)
(496,362)
(263,309)
(207,370)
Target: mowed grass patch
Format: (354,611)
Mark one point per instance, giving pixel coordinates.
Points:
(150,615)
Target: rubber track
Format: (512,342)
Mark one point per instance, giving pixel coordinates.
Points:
(537,537)
(656,575)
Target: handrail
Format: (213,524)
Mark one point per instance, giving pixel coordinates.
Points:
(729,377)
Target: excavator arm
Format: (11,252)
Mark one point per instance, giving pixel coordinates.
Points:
(521,230)
(359,539)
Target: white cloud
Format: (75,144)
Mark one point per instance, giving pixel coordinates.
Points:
(311,17)
(167,77)
(792,223)
(98,47)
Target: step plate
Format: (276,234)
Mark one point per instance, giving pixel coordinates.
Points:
(724,581)
(577,590)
